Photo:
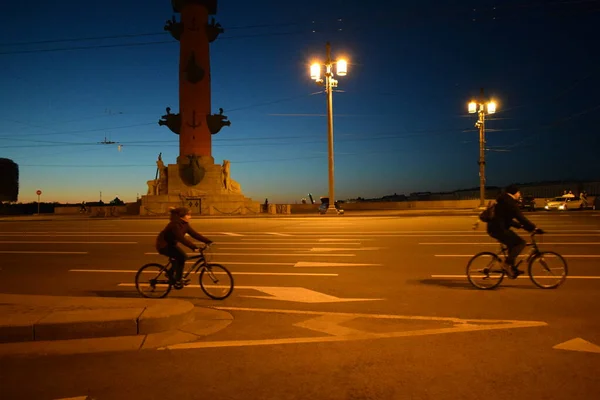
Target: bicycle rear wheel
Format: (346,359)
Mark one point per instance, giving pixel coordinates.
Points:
(216,281)
(548,270)
(484,270)
(152,281)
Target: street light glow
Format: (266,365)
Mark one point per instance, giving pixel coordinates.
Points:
(491,107)
(315,71)
(472,107)
(342,67)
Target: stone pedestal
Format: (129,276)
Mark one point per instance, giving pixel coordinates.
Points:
(216,194)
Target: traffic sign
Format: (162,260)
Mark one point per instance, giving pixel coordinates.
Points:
(39,192)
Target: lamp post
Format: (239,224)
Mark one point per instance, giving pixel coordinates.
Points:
(481,109)
(329,83)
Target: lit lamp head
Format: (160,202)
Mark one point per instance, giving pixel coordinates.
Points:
(472,107)
(342,67)
(491,107)
(315,71)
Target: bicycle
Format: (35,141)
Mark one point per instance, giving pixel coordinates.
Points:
(159,285)
(492,273)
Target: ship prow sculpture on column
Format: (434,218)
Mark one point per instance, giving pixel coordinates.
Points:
(195,181)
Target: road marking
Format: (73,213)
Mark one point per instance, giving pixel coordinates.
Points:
(297,294)
(42,252)
(578,344)
(294,294)
(302,264)
(344,334)
(52,242)
(277,234)
(273,254)
(524,255)
(76,398)
(231,234)
(520,277)
(346,249)
(340,240)
(271,243)
(493,243)
(245,263)
(131,271)
(330,324)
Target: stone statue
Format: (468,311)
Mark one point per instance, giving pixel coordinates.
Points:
(229,184)
(161,182)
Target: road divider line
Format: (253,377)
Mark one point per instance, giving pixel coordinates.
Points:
(519,277)
(42,252)
(277,234)
(495,243)
(132,271)
(231,234)
(53,242)
(524,255)
(273,255)
(305,264)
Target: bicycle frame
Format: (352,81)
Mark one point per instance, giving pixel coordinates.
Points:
(534,250)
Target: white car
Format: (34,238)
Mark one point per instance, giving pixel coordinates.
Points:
(564,203)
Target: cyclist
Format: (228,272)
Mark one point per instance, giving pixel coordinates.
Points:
(506,215)
(174,233)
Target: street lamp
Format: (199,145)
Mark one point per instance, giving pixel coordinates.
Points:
(481,109)
(329,83)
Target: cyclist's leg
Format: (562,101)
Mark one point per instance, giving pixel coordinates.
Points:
(174,254)
(515,245)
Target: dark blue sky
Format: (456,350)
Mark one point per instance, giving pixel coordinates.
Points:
(400,123)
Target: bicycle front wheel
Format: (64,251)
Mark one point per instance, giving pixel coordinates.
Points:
(548,270)
(484,271)
(152,281)
(216,281)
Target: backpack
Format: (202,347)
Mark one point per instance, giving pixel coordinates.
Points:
(489,213)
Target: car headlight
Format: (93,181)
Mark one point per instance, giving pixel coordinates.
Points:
(546,207)
(561,207)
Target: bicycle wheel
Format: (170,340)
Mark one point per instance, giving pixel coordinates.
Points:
(548,270)
(216,281)
(484,270)
(152,281)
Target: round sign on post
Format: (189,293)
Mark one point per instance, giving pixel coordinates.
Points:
(39,192)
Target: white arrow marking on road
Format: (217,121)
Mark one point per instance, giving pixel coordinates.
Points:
(330,324)
(520,277)
(297,294)
(301,264)
(578,344)
(459,325)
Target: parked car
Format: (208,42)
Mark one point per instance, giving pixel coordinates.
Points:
(596,205)
(564,203)
(324,206)
(527,203)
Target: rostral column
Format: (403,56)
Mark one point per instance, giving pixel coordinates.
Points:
(194,124)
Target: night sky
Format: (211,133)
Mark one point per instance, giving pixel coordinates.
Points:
(400,115)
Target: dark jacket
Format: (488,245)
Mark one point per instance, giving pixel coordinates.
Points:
(505,213)
(175,232)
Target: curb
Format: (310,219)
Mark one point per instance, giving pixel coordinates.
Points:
(45,318)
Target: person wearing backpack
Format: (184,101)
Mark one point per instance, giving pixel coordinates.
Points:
(506,214)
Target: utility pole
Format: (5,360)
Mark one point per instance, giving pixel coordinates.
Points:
(329,83)
(481,152)
(480,107)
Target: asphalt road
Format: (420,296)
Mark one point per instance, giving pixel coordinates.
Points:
(324,308)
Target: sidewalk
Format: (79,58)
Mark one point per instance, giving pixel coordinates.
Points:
(32,324)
